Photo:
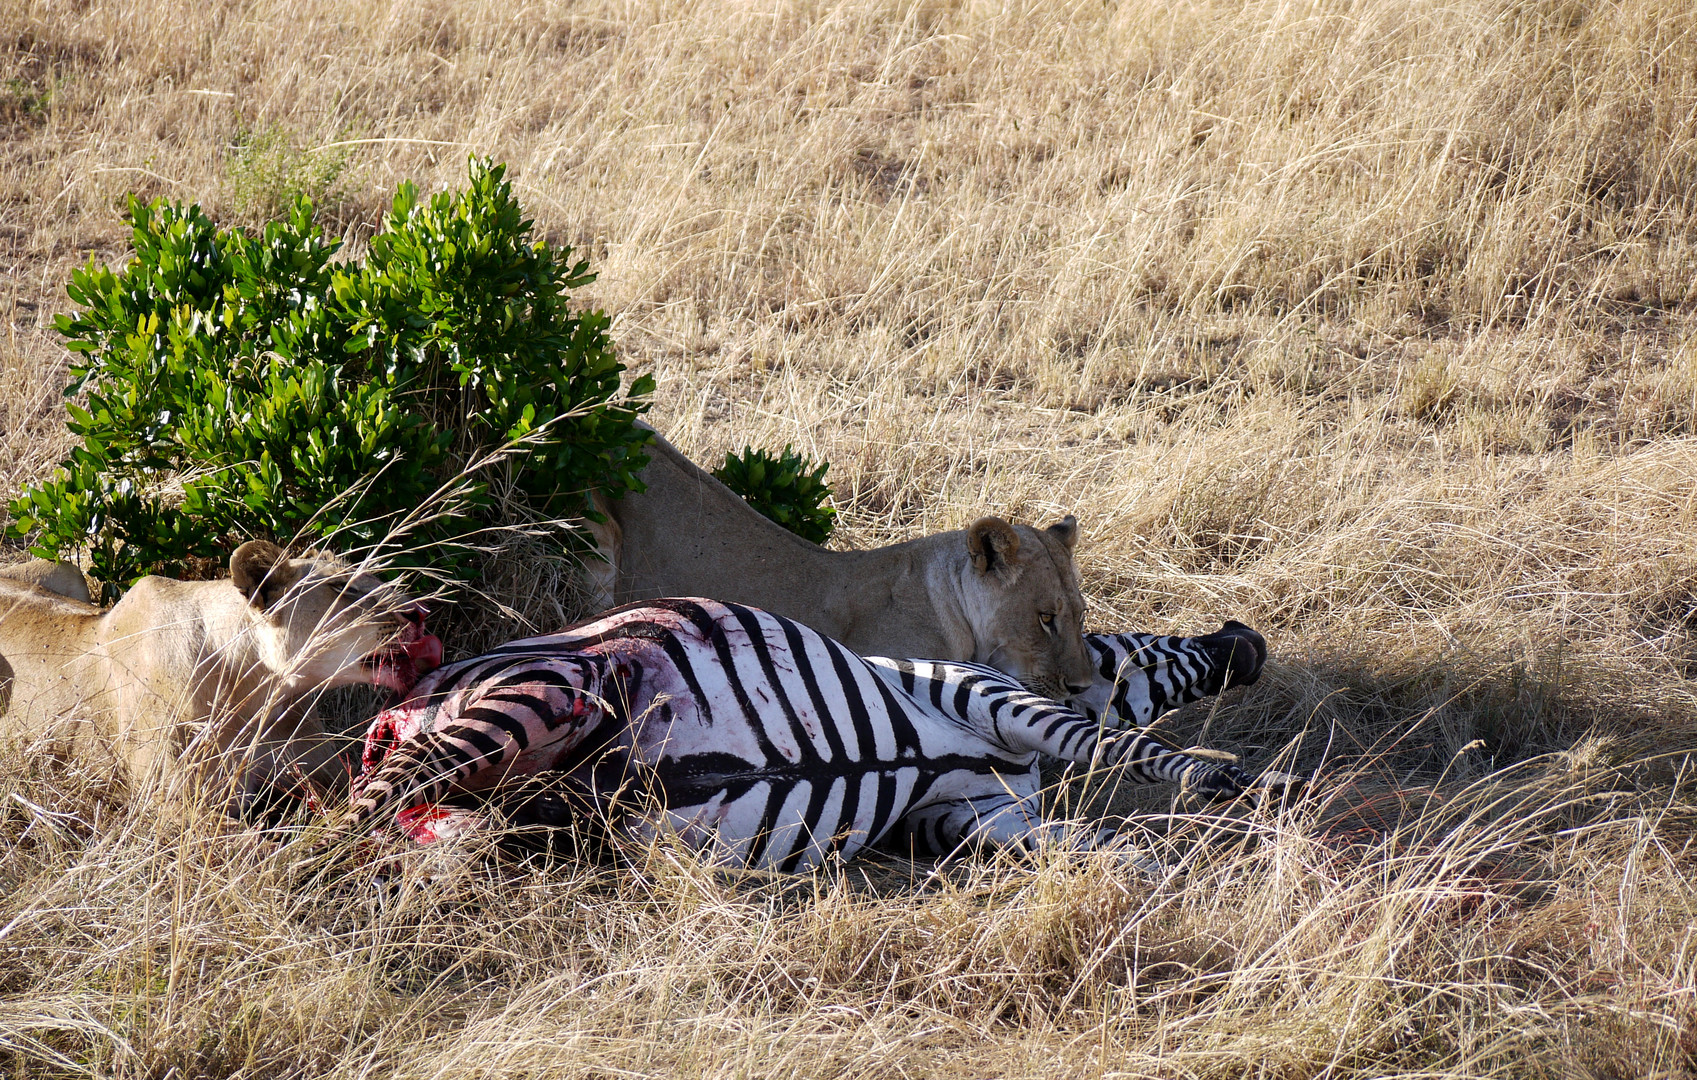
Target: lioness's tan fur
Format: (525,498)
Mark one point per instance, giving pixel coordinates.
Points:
(57,577)
(200,681)
(994,593)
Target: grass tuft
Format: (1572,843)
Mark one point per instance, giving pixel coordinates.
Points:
(1368,323)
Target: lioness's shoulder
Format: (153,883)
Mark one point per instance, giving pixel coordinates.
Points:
(161,605)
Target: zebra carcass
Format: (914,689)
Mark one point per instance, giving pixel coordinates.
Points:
(758,741)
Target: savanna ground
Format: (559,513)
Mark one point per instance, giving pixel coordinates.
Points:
(1368,323)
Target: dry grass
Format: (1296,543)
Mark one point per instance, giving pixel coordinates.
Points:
(1369,323)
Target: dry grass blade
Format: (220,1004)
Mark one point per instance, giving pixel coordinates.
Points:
(1368,323)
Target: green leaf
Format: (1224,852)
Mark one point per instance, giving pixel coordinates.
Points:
(783,489)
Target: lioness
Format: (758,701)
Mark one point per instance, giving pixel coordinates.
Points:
(993,593)
(203,680)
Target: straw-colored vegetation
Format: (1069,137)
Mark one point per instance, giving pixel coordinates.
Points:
(1368,322)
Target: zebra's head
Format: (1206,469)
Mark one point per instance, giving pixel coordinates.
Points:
(1022,601)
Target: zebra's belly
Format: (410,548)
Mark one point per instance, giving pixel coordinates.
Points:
(731,813)
(777,819)
(763,814)
(784,785)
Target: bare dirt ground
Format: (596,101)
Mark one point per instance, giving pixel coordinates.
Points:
(1369,323)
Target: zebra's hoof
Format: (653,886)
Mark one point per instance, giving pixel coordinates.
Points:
(1279,788)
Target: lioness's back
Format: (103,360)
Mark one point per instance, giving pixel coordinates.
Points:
(44,641)
(701,539)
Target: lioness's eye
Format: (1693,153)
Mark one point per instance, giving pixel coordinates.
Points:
(1048,619)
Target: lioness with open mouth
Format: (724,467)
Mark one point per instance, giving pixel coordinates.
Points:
(204,684)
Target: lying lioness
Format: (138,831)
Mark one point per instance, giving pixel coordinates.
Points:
(993,593)
(202,682)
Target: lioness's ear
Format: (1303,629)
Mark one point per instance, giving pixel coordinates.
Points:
(992,543)
(1066,531)
(260,571)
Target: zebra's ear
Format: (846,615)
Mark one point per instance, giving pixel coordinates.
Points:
(1066,531)
(992,543)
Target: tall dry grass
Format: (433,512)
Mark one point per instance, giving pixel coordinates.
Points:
(1368,323)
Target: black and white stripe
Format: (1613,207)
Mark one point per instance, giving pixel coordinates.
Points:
(1138,677)
(753,738)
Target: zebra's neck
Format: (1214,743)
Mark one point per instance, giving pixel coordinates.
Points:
(972,696)
(1138,677)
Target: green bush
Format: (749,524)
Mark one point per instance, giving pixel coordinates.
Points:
(783,489)
(247,386)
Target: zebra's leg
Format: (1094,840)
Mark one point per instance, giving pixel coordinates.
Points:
(1005,821)
(1236,653)
(516,727)
(1139,677)
(990,818)
(1066,735)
